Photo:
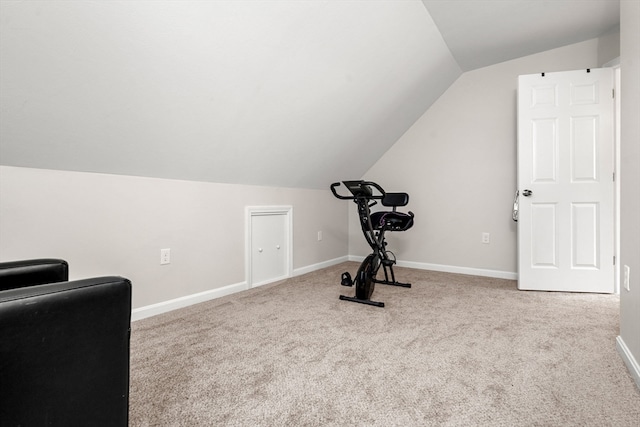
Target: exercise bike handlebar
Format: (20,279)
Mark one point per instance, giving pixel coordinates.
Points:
(335,193)
(359,190)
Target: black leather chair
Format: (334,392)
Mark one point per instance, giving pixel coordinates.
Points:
(64,347)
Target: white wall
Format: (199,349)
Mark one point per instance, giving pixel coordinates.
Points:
(629,339)
(458,164)
(116,225)
(609,46)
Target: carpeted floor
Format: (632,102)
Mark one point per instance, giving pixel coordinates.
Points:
(453,350)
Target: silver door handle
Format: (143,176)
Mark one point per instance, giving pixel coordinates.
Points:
(527,193)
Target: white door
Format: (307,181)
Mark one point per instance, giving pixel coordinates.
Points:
(566,182)
(269,246)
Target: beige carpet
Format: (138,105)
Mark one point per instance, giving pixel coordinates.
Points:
(453,350)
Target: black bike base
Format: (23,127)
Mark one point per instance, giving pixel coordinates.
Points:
(362,301)
(386,282)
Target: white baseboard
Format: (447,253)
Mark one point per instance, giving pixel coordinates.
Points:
(319,266)
(629,360)
(185,301)
(498,274)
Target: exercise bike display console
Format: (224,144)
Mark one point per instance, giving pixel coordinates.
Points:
(374,225)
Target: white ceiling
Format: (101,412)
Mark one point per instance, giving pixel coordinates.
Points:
(277,93)
(485,32)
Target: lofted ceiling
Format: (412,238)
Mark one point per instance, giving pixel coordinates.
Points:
(485,32)
(277,93)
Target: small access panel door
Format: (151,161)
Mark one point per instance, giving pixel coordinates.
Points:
(269,245)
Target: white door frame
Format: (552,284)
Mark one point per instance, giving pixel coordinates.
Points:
(616,168)
(251,211)
(615,64)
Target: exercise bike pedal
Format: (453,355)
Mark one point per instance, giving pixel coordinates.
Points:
(388,262)
(346,279)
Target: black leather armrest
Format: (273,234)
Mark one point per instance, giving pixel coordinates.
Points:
(64,354)
(19,274)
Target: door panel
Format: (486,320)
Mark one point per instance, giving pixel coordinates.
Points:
(585,235)
(565,160)
(269,244)
(584,149)
(543,225)
(545,148)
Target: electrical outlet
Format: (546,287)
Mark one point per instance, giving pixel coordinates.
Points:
(486,238)
(627,274)
(165,256)
(319,236)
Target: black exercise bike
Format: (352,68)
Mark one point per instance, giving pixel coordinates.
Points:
(374,226)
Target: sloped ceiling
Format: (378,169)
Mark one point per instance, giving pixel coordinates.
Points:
(486,32)
(277,93)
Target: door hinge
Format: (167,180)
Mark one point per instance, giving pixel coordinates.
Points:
(614,260)
(613,93)
(614,177)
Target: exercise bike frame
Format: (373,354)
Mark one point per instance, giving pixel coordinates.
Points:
(366,279)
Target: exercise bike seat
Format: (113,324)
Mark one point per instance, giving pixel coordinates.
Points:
(393,220)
